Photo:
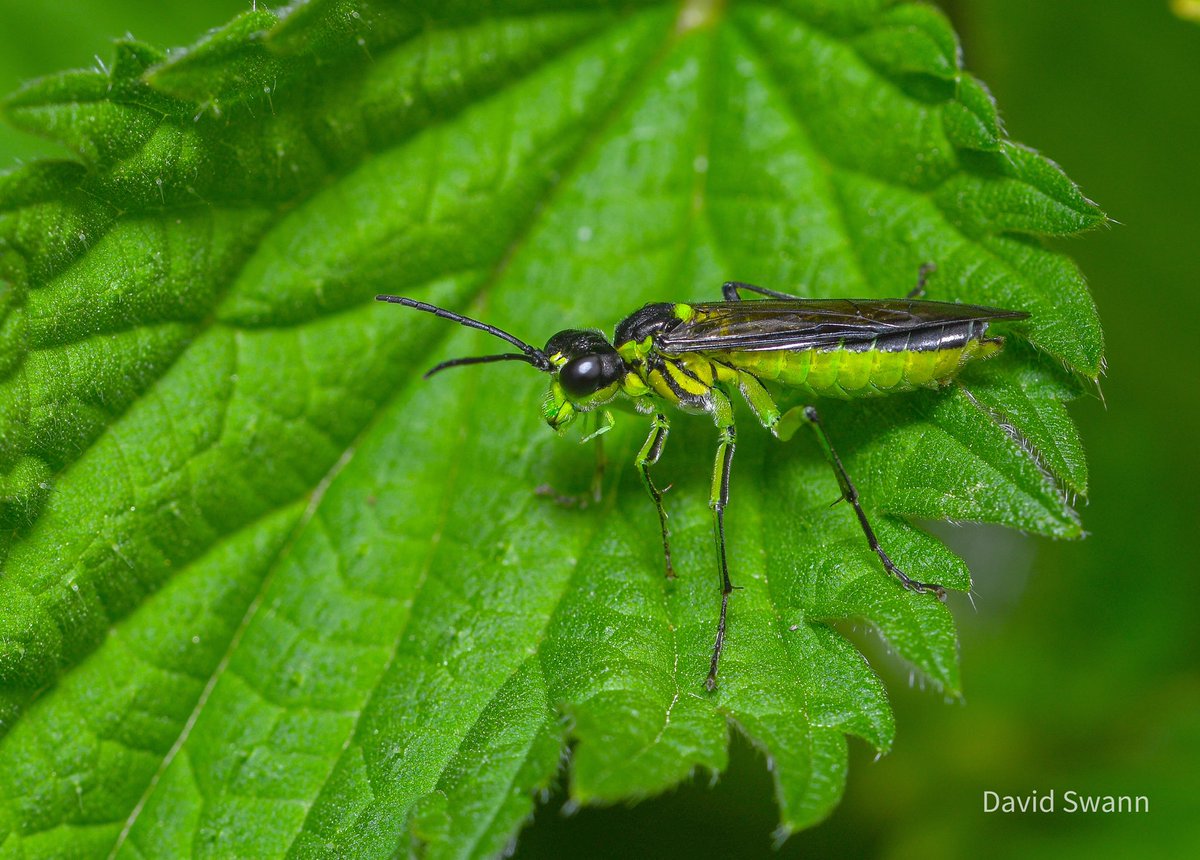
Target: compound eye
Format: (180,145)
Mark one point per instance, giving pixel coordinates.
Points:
(582,376)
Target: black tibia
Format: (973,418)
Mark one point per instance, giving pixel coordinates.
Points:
(646,458)
(729,291)
(850,494)
(718,500)
(922,275)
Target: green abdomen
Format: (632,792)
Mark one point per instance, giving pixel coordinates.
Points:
(848,374)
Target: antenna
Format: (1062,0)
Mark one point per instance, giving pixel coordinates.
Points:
(530,354)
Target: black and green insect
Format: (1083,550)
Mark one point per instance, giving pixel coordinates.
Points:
(694,356)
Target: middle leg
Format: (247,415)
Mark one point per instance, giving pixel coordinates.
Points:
(718,499)
(646,458)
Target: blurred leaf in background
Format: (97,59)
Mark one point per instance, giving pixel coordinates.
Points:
(286,735)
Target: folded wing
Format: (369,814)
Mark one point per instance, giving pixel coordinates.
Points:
(799,324)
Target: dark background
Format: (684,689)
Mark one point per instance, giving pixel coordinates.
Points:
(1079,660)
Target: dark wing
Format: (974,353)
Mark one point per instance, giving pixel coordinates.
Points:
(796,324)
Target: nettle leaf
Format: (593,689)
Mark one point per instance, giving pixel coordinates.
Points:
(267,592)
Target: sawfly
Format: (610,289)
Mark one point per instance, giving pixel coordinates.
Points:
(695,357)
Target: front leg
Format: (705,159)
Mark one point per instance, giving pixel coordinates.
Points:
(718,499)
(589,497)
(646,458)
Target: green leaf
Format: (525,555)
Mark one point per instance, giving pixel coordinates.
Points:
(267,592)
